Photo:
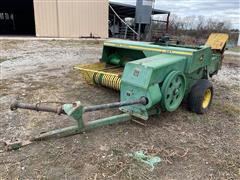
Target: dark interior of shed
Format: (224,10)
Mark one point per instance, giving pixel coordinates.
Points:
(17,17)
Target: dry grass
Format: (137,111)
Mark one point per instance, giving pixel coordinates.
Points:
(235,49)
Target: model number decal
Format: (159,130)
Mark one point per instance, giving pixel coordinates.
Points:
(136,72)
(168,51)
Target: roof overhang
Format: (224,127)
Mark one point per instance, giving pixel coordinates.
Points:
(127,10)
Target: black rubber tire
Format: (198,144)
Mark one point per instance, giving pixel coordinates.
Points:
(196,96)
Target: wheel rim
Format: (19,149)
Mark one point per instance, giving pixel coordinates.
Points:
(207,98)
(173,90)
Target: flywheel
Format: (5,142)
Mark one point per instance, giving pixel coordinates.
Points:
(173,90)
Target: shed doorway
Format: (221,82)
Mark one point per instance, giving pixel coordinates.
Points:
(17,17)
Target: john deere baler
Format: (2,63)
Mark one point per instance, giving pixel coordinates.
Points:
(164,74)
(151,77)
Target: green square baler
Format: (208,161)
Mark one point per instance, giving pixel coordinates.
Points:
(151,77)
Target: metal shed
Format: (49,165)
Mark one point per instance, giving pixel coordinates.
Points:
(78,18)
(120,30)
(63,18)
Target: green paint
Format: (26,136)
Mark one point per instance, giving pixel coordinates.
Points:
(173,90)
(151,161)
(107,121)
(75,111)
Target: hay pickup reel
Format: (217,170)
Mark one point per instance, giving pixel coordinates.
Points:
(150,77)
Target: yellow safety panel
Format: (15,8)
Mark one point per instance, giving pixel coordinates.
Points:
(217,41)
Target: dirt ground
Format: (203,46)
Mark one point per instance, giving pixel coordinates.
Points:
(191,146)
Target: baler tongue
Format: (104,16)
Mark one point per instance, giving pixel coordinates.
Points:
(74,110)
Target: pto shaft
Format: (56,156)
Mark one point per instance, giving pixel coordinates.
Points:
(142,100)
(59,110)
(37,107)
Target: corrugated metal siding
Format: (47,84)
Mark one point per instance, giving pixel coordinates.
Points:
(46,20)
(74,18)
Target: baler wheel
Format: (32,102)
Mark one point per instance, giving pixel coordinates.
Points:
(173,90)
(200,97)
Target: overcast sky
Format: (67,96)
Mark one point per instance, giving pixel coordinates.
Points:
(228,10)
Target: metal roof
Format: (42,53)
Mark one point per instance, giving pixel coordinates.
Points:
(127,10)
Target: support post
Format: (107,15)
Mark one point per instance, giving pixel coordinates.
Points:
(139,31)
(114,24)
(167,23)
(125,34)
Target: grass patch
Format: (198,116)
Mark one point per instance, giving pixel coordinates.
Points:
(235,49)
(92,42)
(11,44)
(2,59)
(229,109)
